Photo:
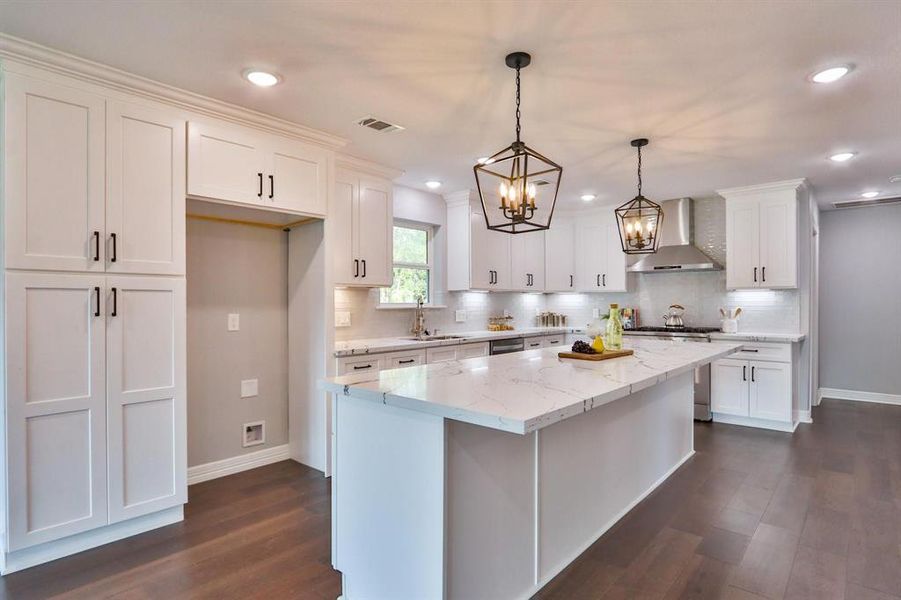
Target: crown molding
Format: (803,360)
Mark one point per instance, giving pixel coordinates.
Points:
(354,163)
(460,197)
(773,186)
(35,55)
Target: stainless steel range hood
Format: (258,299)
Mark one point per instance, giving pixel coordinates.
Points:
(677,251)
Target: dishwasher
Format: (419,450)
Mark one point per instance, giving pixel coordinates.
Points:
(507,346)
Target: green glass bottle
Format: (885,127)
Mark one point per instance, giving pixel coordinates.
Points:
(614,329)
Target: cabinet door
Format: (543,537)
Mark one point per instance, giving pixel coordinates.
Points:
(441,354)
(146,198)
(592,259)
(341,227)
(779,242)
(729,381)
(527,261)
(374,227)
(297,177)
(56,406)
(614,276)
(490,256)
(771,391)
(146,415)
(226,163)
(54,177)
(742,244)
(560,244)
(472,350)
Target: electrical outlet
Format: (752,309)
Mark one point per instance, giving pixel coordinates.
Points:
(253,434)
(595,313)
(249,388)
(342,318)
(460,316)
(234,321)
(506,313)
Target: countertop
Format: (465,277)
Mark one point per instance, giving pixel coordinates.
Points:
(394,344)
(759,336)
(525,391)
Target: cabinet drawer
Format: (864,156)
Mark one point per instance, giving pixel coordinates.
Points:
(441,354)
(550,341)
(400,360)
(472,350)
(533,343)
(765,351)
(359,364)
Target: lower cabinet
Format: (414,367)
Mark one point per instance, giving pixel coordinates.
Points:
(752,389)
(95,396)
(461,352)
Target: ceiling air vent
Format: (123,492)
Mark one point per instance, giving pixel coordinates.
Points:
(861,203)
(540,182)
(378,125)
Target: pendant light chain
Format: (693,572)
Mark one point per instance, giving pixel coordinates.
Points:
(517,104)
(639,170)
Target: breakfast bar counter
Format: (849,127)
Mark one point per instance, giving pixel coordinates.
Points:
(484,478)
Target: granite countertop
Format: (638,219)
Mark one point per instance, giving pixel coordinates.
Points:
(394,344)
(525,391)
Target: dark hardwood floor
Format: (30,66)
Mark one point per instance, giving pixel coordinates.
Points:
(753,515)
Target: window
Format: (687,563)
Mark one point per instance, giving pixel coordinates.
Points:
(412,265)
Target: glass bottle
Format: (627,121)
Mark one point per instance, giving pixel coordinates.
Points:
(614,329)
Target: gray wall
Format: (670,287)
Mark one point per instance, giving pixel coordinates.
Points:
(860,295)
(243,269)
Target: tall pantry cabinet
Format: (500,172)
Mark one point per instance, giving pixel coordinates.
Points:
(94,314)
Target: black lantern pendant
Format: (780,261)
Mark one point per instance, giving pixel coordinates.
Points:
(639,219)
(518,186)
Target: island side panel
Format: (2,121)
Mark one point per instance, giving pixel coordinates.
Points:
(594,468)
(388,488)
(490,513)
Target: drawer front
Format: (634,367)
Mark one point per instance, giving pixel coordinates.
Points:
(533,342)
(400,360)
(444,354)
(550,341)
(765,351)
(359,364)
(472,350)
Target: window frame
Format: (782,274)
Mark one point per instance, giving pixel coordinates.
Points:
(428,266)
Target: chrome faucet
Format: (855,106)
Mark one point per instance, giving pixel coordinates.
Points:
(419,320)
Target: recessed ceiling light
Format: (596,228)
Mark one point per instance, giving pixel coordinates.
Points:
(869,194)
(842,156)
(588,197)
(432,184)
(831,74)
(261,78)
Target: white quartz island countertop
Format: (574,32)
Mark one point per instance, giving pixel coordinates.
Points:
(525,391)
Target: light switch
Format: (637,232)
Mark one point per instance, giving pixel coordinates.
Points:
(249,388)
(342,318)
(460,316)
(234,321)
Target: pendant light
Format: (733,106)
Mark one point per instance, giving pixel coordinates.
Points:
(517,185)
(639,219)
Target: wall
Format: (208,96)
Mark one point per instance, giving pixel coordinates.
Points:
(860,287)
(243,269)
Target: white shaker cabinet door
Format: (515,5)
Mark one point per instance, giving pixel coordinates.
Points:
(54,177)
(297,177)
(341,220)
(56,406)
(742,244)
(778,242)
(145,214)
(374,230)
(146,395)
(226,163)
(490,264)
(527,261)
(592,258)
(560,244)
(614,276)
(729,381)
(771,391)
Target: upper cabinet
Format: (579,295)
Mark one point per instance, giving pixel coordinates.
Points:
(527,261)
(559,252)
(762,235)
(601,262)
(91,184)
(362,216)
(479,258)
(242,165)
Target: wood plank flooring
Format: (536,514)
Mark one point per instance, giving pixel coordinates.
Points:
(753,515)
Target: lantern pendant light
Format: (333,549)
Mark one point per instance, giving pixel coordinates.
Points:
(639,219)
(517,185)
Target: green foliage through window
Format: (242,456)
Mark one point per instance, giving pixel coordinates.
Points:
(411,267)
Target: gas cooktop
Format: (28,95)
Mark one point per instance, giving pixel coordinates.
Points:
(675,329)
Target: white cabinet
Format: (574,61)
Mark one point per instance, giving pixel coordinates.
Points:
(458,352)
(754,392)
(408,358)
(762,235)
(771,391)
(55,406)
(527,261)
(533,343)
(363,217)
(489,254)
(145,205)
(601,261)
(729,387)
(146,395)
(242,165)
(361,364)
(560,263)
(54,176)
(553,341)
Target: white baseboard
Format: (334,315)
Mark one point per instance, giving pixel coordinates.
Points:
(42,553)
(859,396)
(803,416)
(753,422)
(236,464)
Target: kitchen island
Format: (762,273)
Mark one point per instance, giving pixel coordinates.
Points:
(484,478)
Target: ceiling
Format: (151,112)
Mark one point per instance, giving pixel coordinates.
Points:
(720,88)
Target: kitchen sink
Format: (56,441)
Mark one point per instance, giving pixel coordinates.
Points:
(435,338)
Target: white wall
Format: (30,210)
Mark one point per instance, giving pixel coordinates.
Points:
(242,269)
(860,296)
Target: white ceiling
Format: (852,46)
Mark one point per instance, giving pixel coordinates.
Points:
(719,87)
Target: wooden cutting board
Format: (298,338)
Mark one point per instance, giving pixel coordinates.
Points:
(606,354)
